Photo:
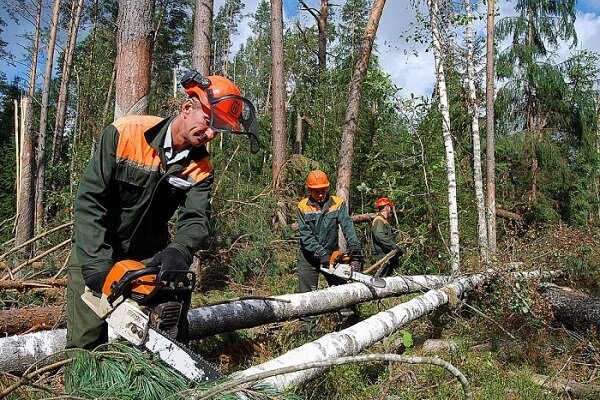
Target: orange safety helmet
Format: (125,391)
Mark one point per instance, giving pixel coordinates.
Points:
(317,179)
(222,100)
(382,202)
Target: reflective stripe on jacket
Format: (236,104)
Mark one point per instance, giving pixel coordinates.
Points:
(319,226)
(124,202)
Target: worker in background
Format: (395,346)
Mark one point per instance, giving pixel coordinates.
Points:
(144,169)
(320,215)
(383,238)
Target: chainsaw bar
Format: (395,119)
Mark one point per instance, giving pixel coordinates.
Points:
(344,271)
(180,358)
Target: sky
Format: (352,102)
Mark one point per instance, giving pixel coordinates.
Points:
(409,66)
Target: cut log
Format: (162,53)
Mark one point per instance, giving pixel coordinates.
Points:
(575,309)
(364,334)
(26,320)
(355,218)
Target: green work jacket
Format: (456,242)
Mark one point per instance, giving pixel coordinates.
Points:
(127,195)
(382,236)
(319,226)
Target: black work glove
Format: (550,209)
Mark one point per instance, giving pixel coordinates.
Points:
(96,281)
(170,259)
(324,260)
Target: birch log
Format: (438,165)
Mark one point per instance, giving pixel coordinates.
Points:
(364,334)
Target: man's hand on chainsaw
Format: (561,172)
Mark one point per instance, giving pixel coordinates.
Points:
(96,281)
(324,260)
(170,259)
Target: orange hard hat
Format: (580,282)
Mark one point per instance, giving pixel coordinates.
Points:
(317,179)
(382,202)
(220,96)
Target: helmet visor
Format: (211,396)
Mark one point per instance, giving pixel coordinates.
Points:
(235,114)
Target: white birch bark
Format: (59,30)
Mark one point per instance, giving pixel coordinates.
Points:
(364,334)
(445,111)
(474,108)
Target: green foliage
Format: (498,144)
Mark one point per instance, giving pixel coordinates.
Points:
(8,94)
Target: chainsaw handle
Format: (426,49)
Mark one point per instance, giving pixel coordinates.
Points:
(123,287)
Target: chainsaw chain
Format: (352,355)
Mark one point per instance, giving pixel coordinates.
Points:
(211,372)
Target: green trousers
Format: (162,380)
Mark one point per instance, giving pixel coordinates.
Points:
(84,328)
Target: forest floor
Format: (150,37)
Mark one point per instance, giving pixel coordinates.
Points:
(502,336)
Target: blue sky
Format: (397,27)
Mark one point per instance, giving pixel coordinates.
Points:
(409,65)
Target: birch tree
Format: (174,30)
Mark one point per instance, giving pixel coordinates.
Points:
(346,155)
(40,155)
(201,54)
(278,84)
(490,73)
(434,18)
(134,56)
(474,108)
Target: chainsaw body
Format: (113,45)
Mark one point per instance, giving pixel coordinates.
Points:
(339,265)
(144,306)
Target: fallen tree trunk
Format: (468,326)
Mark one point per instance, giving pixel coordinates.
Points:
(364,334)
(29,320)
(227,317)
(358,218)
(575,309)
(18,352)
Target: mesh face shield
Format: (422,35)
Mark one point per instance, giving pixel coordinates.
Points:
(236,115)
(229,111)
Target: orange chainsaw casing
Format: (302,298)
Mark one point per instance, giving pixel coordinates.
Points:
(143,285)
(337,257)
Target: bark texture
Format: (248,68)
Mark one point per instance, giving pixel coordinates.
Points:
(278,84)
(134,53)
(202,36)
(490,73)
(576,309)
(29,320)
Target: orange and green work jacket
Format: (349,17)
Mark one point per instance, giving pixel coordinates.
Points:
(382,236)
(128,193)
(319,226)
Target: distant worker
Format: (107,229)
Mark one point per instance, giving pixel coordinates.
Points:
(319,218)
(144,170)
(383,238)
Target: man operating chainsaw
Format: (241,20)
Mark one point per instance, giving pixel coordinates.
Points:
(145,169)
(319,217)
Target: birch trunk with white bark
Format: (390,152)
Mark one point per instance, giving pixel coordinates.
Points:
(474,108)
(364,334)
(445,111)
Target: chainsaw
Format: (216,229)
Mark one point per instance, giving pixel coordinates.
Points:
(144,306)
(339,265)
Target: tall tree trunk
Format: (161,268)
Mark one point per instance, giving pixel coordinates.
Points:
(489,126)
(40,156)
(134,56)
(445,111)
(474,108)
(26,209)
(202,36)
(278,84)
(350,120)
(61,107)
(323,34)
